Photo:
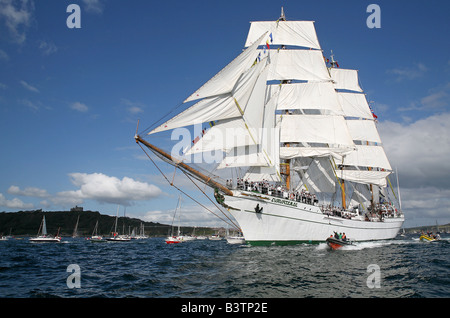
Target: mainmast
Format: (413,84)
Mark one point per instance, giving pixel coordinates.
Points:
(285,167)
(334,64)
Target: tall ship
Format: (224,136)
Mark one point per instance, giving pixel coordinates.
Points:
(287,142)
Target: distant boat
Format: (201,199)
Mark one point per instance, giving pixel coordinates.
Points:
(175,239)
(43,237)
(191,237)
(215,237)
(235,239)
(95,237)
(141,234)
(172,240)
(115,236)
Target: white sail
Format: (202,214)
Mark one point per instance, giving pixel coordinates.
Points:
(224,81)
(223,136)
(245,129)
(44,227)
(364,130)
(317,152)
(315,95)
(229,105)
(306,65)
(262,173)
(367,156)
(297,33)
(366,177)
(243,157)
(318,176)
(317,129)
(345,79)
(354,105)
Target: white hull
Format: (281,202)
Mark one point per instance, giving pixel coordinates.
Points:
(235,240)
(118,239)
(45,239)
(285,221)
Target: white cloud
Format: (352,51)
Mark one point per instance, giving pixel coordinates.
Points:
(421,151)
(106,189)
(133,107)
(29,87)
(47,48)
(14,203)
(17,16)
(93,6)
(437,98)
(409,73)
(95,186)
(3,56)
(79,107)
(29,104)
(28,192)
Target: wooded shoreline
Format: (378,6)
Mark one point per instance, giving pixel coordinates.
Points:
(26,223)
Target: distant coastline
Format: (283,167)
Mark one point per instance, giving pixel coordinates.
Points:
(26,223)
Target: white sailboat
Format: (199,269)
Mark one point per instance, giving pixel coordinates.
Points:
(298,132)
(115,235)
(172,238)
(95,237)
(234,239)
(141,234)
(42,236)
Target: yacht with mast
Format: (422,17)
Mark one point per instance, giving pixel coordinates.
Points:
(115,235)
(42,236)
(287,141)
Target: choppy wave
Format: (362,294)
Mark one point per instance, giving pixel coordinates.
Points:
(151,268)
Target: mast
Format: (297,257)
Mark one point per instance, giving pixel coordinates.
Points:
(398,190)
(335,64)
(282,16)
(115,224)
(184,166)
(344,205)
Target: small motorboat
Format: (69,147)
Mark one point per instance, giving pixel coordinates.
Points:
(335,243)
(427,238)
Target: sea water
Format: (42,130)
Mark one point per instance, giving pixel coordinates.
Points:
(150,268)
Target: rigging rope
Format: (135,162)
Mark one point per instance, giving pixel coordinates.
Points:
(162,173)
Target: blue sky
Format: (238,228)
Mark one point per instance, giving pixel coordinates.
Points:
(70,98)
